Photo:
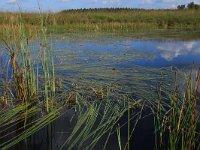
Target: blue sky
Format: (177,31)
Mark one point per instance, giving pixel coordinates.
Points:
(56,5)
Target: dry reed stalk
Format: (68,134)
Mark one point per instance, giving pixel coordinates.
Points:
(18,79)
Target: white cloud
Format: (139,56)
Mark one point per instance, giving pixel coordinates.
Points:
(12,1)
(171,50)
(111,1)
(168,1)
(147,2)
(64,0)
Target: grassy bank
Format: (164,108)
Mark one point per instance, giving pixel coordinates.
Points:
(112,20)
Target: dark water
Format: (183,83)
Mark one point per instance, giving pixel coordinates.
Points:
(119,60)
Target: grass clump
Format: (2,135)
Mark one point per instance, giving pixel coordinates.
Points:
(23,81)
(176,117)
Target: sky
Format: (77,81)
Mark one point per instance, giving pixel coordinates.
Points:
(57,5)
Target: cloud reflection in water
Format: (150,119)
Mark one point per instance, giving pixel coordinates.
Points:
(172,49)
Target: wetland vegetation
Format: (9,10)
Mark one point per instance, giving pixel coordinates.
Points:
(116,90)
(108,20)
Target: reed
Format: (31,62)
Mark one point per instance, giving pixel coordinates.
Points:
(119,137)
(176,120)
(17,40)
(129,126)
(112,20)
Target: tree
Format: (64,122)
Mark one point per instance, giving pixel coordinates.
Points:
(192,5)
(181,7)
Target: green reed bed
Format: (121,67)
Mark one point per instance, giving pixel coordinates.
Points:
(105,114)
(21,96)
(27,130)
(113,20)
(177,116)
(25,77)
(95,117)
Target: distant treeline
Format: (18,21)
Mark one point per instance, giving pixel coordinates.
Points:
(191,5)
(108,9)
(100,9)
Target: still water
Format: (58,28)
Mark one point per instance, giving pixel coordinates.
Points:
(122,59)
(130,50)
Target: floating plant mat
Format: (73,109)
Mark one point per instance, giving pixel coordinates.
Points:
(92,56)
(137,82)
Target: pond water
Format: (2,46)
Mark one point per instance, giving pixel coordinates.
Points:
(122,60)
(130,50)
(125,63)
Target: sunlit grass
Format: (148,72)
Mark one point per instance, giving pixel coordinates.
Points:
(176,116)
(111,20)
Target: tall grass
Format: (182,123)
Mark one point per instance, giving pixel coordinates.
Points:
(17,40)
(18,50)
(177,118)
(109,20)
(47,60)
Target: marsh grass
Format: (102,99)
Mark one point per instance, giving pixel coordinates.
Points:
(97,118)
(18,49)
(176,120)
(31,127)
(22,96)
(109,20)
(17,43)
(119,137)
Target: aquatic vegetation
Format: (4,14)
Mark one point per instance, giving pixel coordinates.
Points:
(91,90)
(23,122)
(177,117)
(108,20)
